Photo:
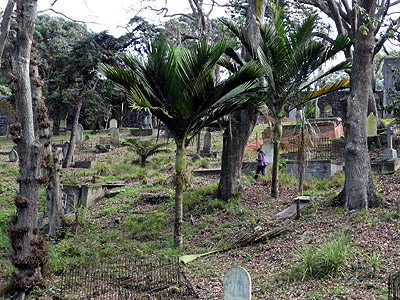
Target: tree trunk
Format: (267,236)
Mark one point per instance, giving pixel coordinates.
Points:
(5,26)
(70,152)
(30,254)
(50,161)
(243,122)
(277,134)
(180,168)
(359,187)
(301,158)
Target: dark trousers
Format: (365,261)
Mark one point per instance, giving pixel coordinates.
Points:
(260,169)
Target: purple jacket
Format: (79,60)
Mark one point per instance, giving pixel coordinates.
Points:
(261,161)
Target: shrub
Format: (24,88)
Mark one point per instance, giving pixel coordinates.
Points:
(330,259)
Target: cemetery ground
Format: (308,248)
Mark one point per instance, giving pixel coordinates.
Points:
(326,254)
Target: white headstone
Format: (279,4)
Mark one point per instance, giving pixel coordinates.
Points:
(371,125)
(268,149)
(292,114)
(79,135)
(63,123)
(13,156)
(237,284)
(113,123)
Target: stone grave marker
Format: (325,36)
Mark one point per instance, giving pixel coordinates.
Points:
(147,122)
(114,136)
(292,114)
(63,124)
(79,135)
(371,125)
(13,156)
(389,153)
(207,142)
(328,111)
(390,64)
(268,149)
(237,284)
(113,123)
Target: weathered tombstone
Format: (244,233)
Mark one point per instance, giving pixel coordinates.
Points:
(65,147)
(63,124)
(207,142)
(328,111)
(113,123)
(371,125)
(292,114)
(268,149)
(114,136)
(13,156)
(389,65)
(237,284)
(389,153)
(147,122)
(79,135)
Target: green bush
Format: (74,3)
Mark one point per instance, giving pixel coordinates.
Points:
(330,259)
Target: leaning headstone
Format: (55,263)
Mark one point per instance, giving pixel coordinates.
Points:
(371,125)
(268,149)
(79,135)
(389,153)
(113,123)
(114,136)
(237,284)
(13,156)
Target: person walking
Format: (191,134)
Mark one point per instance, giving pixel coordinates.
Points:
(261,163)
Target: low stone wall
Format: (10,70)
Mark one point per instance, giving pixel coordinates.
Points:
(315,168)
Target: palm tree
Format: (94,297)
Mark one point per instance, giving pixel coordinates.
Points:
(177,86)
(146,148)
(290,55)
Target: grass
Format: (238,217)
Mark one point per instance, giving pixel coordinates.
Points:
(328,260)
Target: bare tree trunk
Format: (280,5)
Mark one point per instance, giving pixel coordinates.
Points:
(243,122)
(30,254)
(50,161)
(68,157)
(277,134)
(5,26)
(359,187)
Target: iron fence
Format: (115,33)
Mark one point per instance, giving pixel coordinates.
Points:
(127,279)
(394,286)
(318,149)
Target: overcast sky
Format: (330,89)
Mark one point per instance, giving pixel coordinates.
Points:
(113,15)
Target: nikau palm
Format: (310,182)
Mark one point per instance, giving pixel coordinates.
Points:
(290,55)
(177,86)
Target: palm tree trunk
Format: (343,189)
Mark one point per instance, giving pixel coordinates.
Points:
(302,163)
(275,162)
(180,168)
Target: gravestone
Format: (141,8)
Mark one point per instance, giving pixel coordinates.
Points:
(147,122)
(65,147)
(13,156)
(79,135)
(328,111)
(389,64)
(371,125)
(207,143)
(292,114)
(389,153)
(113,123)
(237,284)
(63,124)
(114,136)
(268,149)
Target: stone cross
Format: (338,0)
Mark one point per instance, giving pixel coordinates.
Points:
(237,284)
(389,153)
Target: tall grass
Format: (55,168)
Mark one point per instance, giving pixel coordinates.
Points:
(328,260)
